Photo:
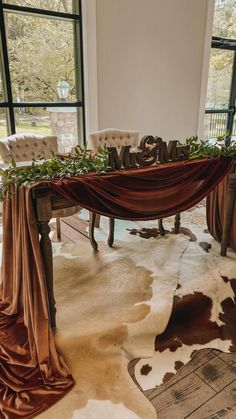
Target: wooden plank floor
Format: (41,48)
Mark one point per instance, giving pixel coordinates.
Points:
(205,388)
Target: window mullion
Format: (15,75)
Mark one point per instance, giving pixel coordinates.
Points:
(6,73)
(232,100)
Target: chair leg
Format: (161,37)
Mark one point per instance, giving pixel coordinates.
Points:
(161,227)
(97,221)
(177,223)
(110,239)
(58,226)
(92,218)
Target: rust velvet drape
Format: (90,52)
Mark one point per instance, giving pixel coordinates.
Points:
(145,193)
(216,205)
(33,374)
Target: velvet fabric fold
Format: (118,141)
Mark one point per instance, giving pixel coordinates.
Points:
(157,191)
(33,374)
(215,207)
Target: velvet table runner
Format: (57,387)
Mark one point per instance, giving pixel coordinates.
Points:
(33,374)
(149,193)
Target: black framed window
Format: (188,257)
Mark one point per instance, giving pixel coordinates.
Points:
(221,92)
(41,69)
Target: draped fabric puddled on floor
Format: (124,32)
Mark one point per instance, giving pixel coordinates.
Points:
(33,374)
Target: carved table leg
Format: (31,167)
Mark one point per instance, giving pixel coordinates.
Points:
(97,220)
(43,215)
(110,239)
(230,203)
(177,223)
(46,251)
(92,219)
(161,228)
(58,226)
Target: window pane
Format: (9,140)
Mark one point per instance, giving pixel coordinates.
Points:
(64,126)
(3,123)
(219,79)
(41,54)
(234,130)
(61,122)
(215,125)
(1,88)
(65,6)
(225,19)
(35,120)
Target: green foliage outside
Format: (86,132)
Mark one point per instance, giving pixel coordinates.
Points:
(221,61)
(41,53)
(56,5)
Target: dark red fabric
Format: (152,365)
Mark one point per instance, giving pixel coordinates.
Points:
(215,208)
(145,193)
(33,373)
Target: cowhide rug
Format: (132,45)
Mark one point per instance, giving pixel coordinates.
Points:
(158,299)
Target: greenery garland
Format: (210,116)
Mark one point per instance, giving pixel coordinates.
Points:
(80,162)
(83,161)
(208,149)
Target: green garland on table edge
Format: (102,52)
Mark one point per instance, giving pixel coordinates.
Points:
(84,161)
(59,166)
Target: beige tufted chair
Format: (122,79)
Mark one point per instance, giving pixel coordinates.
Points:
(26,147)
(113,138)
(109,137)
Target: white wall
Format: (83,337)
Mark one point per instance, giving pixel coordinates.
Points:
(149,65)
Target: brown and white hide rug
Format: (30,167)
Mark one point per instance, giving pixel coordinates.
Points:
(158,299)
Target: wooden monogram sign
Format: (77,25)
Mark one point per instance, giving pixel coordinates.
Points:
(151,150)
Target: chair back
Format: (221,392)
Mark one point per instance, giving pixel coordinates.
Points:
(26,147)
(113,138)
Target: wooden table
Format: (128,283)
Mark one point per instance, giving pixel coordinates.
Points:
(46,201)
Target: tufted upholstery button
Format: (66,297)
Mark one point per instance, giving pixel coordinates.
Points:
(22,147)
(114,137)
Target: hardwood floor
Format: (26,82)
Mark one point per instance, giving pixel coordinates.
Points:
(205,388)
